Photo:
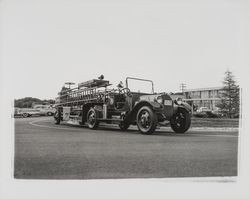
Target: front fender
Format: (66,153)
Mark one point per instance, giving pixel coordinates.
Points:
(186,106)
(155,106)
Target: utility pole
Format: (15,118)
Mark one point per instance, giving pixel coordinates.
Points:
(182,87)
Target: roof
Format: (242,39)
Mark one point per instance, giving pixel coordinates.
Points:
(204,89)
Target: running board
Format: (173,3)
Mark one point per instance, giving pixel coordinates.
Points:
(165,123)
(103,120)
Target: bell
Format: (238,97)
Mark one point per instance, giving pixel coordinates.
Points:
(101,77)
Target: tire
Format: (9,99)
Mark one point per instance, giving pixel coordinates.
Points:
(181,121)
(146,120)
(92,122)
(124,126)
(57,117)
(25,115)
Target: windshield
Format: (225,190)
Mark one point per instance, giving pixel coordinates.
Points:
(140,85)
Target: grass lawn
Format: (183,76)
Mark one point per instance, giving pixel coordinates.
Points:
(215,122)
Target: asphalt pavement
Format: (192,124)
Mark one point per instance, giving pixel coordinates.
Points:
(44,150)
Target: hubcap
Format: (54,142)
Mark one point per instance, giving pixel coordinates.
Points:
(92,118)
(179,120)
(144,120)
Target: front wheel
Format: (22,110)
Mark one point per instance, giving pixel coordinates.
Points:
(146,120)
(92,121)
(181,121)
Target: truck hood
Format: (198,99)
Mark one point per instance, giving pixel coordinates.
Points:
(152,97)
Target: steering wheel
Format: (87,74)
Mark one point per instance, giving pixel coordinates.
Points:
(125,91)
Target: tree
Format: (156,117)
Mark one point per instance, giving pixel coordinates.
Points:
(27,102)
(230,101)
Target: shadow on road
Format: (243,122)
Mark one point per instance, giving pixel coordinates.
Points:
(158,132)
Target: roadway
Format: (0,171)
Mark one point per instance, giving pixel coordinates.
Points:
(44,150)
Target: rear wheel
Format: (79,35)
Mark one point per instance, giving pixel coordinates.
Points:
(92,121)
(124,126)
(146,120)
(57,117)
(181,121)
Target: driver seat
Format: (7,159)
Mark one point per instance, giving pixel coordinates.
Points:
(119,101)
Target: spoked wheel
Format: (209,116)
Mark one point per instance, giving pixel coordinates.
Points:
(146,120)
(181,121)
(25,115)
(57,117)
(92,119)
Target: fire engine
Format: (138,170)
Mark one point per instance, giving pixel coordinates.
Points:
(94,101)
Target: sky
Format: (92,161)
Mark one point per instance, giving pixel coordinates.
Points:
(46,43)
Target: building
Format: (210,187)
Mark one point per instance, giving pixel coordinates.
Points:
(204,97)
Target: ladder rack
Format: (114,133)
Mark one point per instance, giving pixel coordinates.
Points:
(88,91)
(76,97)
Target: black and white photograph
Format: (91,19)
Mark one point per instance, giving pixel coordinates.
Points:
(124,99)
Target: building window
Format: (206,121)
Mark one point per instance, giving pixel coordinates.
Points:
(204,94)
(195,94)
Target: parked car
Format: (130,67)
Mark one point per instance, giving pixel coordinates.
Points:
(26,112)
(218,112)
(203,109)
(206,114)
(45,109)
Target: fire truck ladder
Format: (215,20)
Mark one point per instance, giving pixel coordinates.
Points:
(77,97)
(86,92)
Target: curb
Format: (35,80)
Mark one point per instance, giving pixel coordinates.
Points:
(223,129)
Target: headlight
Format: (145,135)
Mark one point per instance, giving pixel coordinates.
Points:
(159,100)
(179,101)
